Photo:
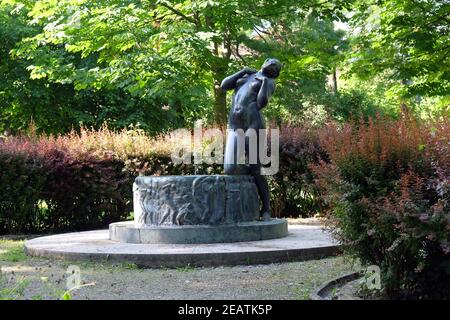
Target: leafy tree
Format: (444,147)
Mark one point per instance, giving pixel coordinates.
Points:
(170,52)
(408,39)
(311,49)
(55,106)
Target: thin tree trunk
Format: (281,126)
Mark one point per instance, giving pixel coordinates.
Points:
(220,105)
(335,83)
(219,70)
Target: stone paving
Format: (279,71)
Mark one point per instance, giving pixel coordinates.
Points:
(304,242)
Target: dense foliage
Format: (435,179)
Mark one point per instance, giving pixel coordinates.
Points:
(387,190)
(408,37)
(156,65)
(146,60)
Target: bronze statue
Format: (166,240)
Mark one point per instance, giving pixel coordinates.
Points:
(252,90)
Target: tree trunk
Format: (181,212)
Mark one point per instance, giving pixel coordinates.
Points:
(220,105)
(219,68)
(335,84)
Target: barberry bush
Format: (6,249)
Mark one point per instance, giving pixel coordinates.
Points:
(76,181)
(293,190)
(386,187)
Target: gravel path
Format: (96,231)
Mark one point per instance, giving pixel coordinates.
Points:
(23,277)
(33,278)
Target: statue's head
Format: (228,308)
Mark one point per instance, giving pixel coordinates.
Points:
(271,67)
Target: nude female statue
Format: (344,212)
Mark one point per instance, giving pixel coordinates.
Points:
(252,90)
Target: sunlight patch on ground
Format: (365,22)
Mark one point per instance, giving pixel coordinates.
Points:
(17,269)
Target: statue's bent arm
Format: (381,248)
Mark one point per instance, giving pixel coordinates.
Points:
(267,88)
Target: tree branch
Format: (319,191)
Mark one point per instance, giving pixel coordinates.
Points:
(179,13)
(238,55)
(259,34)
(227,45)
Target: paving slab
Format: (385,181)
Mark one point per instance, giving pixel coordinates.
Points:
(303,242)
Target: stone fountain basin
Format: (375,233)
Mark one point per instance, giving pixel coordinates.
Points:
(196,209)
(194,200)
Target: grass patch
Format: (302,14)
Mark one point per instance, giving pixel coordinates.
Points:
(100,265)
(129,266)
(187,268)
(12,292)
(12,251)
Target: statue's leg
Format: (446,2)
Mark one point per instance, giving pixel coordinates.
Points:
(261,182)
(231,165)
(230,153)
(263,191)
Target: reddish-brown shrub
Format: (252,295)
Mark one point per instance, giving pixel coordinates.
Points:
(79,180)
(84,180)
(387,191)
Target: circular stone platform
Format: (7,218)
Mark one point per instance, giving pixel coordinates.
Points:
(302,243)
(189,234)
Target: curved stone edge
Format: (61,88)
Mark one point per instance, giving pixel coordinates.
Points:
(320,292)
(193,259)
(126,232)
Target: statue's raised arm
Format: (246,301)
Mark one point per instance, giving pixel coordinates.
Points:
(229,83)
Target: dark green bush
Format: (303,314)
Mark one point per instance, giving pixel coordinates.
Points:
(21,182)
(293,191)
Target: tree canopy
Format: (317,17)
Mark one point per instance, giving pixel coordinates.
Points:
(411,38)
(158,64)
